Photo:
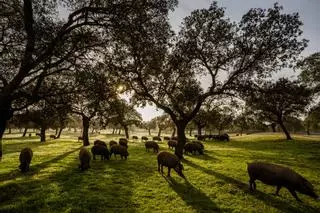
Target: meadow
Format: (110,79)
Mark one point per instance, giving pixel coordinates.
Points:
(216,181)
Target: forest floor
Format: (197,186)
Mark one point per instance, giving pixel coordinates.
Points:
(216,181)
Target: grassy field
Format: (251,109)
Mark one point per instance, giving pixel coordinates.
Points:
(216,181)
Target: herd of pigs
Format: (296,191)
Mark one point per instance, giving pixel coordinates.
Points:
(270,174)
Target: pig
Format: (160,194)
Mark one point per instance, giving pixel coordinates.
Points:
(123,142)
(192,148)
(118,149)
(172,144)
(156,138)
(166,138)
(99,142)
(152,145)
(200,143)
(111,143)
(84,157)
(100,150)
(25,159)
(135,137)
(144,138)
(279,176)
(171,161)
(53,136)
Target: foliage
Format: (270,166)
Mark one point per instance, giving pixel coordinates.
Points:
(279,100)
(123,114)
(162,69)
(310,71)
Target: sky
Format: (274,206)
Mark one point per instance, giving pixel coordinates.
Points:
(309,11)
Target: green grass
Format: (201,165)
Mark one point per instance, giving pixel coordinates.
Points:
(216,181)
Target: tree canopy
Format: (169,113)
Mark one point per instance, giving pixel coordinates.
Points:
(279,100)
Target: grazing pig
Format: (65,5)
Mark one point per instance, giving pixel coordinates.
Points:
(123,142)
(135,137)
(171,161)
(144,138)
(152,145)
(280,176)
(193,148)
(119,150)
(223,137)
(200,143)
(172,144)
(99,142)
(100,150)
(156,138)
(38,134)
(25,159)
(85,157)
(111,143)
(166,138)
(53,136)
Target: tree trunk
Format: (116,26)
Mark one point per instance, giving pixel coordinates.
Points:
(119,132)
(126,130)
(273,127)
(174,132)
(75,130)
(56,131)
(181,139)
(308,127)
(9,132)
(159,133)
(190,132)
(199,130)
(42,134)
(85,132)
(149,131)
(284,130)
(59,133)
(25,132)
(5,114)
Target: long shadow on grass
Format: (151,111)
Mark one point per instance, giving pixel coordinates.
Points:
(205,156)
(192,196)
(105,187)
(16,147)
(34,169)
(271,200)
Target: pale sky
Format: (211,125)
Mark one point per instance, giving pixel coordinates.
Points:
(309,11)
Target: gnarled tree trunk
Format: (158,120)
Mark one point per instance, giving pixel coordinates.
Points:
(42,134)
(126,130)
(85,132)
(59,133)
(286,132)
(273,127)
(174,132)
(159,133)
(25,132)
(181,139)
